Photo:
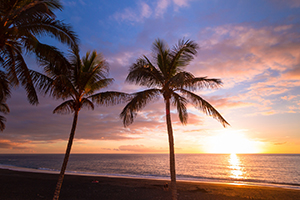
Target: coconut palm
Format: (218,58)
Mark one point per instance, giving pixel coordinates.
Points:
(21,23)
(166,76)
(78,82)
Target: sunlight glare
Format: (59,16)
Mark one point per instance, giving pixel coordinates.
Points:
(232,142)
(235,167)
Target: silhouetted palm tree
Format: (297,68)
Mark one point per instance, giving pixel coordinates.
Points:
(21,22)
(166,77)
(78,82)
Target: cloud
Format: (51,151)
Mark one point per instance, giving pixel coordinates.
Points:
(280,143)
(181,3)
(257,64)
(141,149)
(7,144)
(138,14)
(245,51)
(161,7)
(227,102)
(290,97)
(37,123)
(144,11)
(294,72)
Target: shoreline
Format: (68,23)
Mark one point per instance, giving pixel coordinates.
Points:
(34,185)
(194,180)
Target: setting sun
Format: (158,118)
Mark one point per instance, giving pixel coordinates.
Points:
(230,141)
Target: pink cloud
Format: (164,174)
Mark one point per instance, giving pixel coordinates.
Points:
(265,60)
(243,52)
(138,14)
(227,102)
(293,73)
(290,97)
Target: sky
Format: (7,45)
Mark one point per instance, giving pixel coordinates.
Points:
(253,46)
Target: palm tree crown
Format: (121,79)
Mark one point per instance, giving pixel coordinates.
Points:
(80,83)
(167,77)
(21,22)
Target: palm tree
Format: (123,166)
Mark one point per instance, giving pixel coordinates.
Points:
(167,78)
(77,82)
(21,22)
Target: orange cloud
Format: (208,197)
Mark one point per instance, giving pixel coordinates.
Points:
(7,144)
(141,149)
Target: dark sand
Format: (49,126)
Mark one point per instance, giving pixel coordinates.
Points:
(27,185)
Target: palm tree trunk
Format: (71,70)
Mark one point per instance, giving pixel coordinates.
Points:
(171,151)
(66,159)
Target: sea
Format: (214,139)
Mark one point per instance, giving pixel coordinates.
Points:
(275,170)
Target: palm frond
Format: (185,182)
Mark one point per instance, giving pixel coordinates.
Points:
(4,86)
(144,73)
(138,102)
(161,54)
(187,80)
(182,54)
(9,52)
(203,105)
(180,103)
(48,56)
(20,72)
(45,26)
(35,8)
(110,98)
(65,108)
(42,82)
(88,60)
(63,88)
(91,88)
(21,22)
(201,82)
(87,103)
(4,107)
(94,78)
(2,123)
(180,79)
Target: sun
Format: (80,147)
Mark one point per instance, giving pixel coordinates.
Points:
(231,142)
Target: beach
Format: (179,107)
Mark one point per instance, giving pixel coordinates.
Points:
(28,185)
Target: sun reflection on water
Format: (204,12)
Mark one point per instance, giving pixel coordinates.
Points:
(236,169)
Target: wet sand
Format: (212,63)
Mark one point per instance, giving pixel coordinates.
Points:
(27,185)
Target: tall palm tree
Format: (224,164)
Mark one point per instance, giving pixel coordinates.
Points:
(78,82)
(166,77)
(21,22)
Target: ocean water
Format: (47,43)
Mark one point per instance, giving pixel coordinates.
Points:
(279,170)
